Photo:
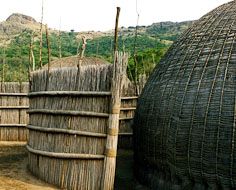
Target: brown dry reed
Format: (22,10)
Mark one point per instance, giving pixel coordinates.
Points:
(13,111)
(73,126)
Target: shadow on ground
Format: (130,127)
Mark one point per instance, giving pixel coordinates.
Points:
(15,176)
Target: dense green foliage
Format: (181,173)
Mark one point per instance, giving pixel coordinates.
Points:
(145,50)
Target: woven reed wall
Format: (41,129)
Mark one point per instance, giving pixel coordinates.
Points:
(128,101)
(70,144)
(13,107)
(185,121)
(128,106)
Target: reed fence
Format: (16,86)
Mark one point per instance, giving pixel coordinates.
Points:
(73,126)
(129,93)
(13,111)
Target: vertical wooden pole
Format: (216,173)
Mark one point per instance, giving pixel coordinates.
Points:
(49,48)
(82,50)
(59,46)
(116,29)
(41,39)
(30,60)
(59,42)
(30,55)
(78,47)
(135,53)
(97,48)
(3,65)
(49,56)
(108,176)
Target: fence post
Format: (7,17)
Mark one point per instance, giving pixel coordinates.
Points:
(108,176)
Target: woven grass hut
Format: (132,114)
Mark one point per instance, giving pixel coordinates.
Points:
(185,123)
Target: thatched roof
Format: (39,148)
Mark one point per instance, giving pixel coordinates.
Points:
(73,61)
(185,123)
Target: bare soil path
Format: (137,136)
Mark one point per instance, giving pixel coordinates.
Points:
(15,176)
(13,172)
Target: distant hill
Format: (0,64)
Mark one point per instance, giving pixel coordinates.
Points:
(151,43)
(16,24)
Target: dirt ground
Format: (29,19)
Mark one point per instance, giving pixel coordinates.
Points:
(13,172)
(15,176)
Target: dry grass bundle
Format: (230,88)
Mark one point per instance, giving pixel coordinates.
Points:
(73,62)
(129,94)
(13,107)
(72,138)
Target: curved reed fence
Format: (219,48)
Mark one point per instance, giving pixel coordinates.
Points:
(13,111)
(73,126)
(185,124)
(129,94)
(128,106)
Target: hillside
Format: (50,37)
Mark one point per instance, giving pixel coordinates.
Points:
(151,44)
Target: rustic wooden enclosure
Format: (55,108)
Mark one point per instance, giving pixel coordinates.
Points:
(13,111)
(127,110)
(73,126)
(129,98)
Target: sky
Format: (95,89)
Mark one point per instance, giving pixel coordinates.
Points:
(99,15)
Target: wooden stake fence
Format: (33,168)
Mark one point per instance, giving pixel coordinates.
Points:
(76,130)
(13,111)
(112,139)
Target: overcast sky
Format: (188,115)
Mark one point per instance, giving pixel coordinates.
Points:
(83,15)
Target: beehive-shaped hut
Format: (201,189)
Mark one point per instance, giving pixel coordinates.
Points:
(185,124)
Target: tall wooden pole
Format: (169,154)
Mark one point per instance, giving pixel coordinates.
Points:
(49,48)
(135,53)
(120,63)
(119,67)
(59,47)
(4,63)
(49,56)
(41,39)
(82,50)
(116,29)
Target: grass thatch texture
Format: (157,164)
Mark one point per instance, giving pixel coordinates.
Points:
(129,100)
(128,107)
(13,108)
(70,129)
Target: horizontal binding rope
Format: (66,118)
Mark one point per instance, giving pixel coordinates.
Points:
(116,109)
(129,98)
(110,153)
(64,155)
(13,94)
(66,131)
(67,112)
(13,125)
(69,93)
(14,107)
(127,109)
(112,132)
